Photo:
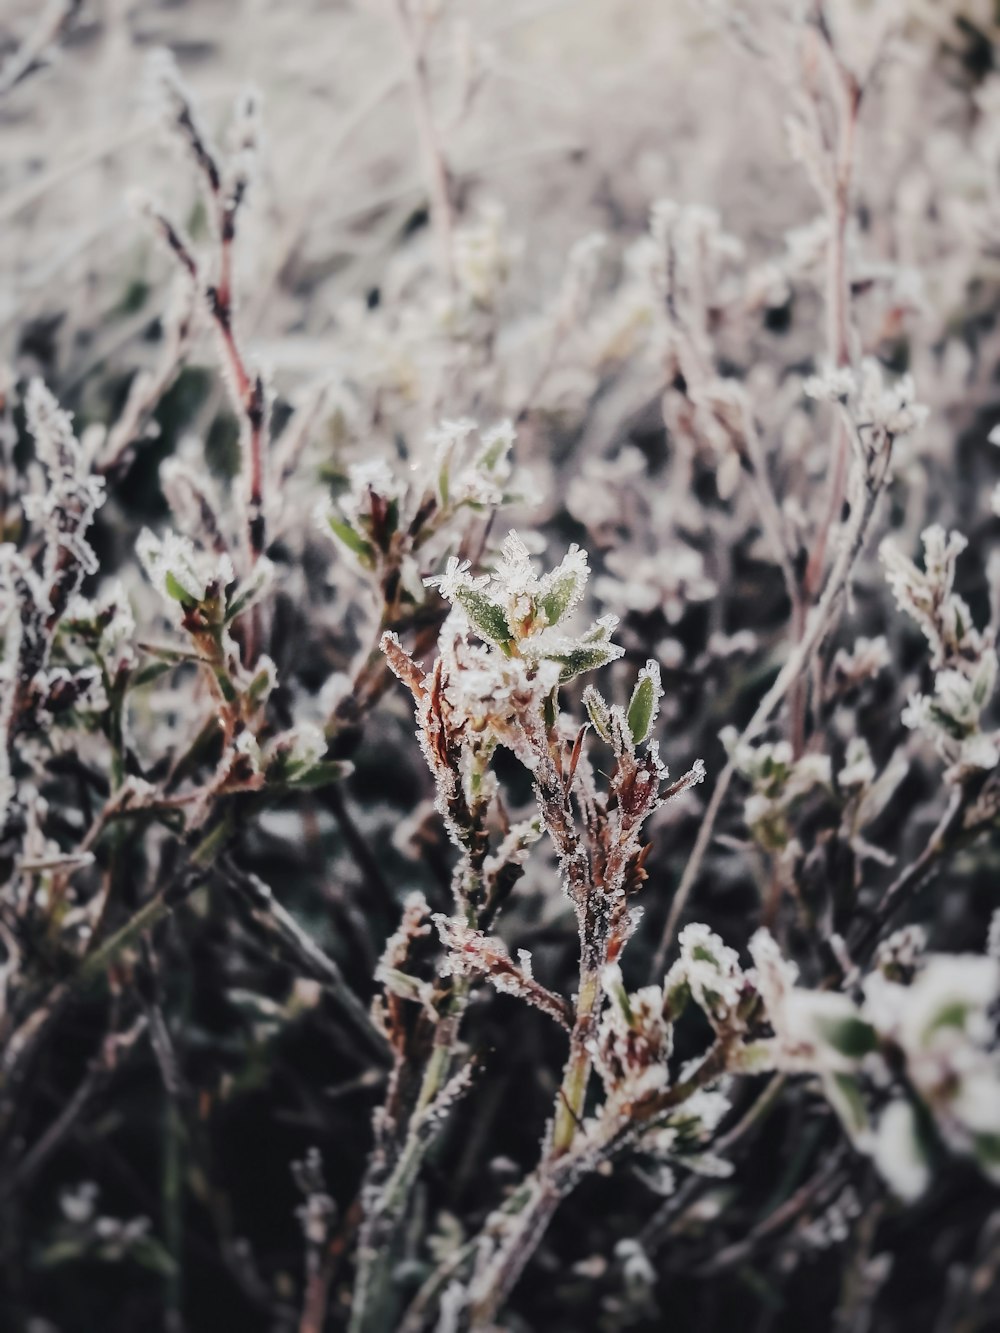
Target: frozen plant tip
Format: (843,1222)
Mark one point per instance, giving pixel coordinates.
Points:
(518,611)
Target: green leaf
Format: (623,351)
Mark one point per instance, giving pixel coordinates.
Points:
(581,659)
(229,690)
(704,955)
(844,1095)
(177,592)
(642,708)
(258,687)
(168,653)
(987,1150)
(320,775)
(593,650)
(560,596)
(487,618)
(150,1254)
(354,542)
(61,1252)
(493,454)
(852,1037)
(754,1057)
(955,1014)
(598,712)
(147,674)
(676,1000)
(247,594)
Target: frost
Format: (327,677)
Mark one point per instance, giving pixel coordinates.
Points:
(517,610)
(898,1153)
(179,572)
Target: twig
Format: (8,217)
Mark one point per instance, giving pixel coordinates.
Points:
(226,191)
(415,35)
(52,24)
(374,880)
(277,919)
(146,391)
(812,1191)
(914,874)
(846,95)
(816,631)
(99,1073)
(555,1178)
(172,1180)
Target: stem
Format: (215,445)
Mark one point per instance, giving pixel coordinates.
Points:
(386,1200)
(847,98)
(438,183)
(769,510)
(573,1092)
(173,1223)
(822,1186)
(316,1301)
(914,875)
(816,630)
(445,1036)
(555,1179)
(99,1073)
(94,968)
(52,24)
(489,1291)
(269,913)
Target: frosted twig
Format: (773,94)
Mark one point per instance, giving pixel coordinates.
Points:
(816,630)
(29,56)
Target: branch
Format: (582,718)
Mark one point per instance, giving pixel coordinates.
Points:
(52,24)
(818,626)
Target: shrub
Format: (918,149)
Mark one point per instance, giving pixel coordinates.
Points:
(305,1026)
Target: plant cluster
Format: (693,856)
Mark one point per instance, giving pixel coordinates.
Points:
(306,1026)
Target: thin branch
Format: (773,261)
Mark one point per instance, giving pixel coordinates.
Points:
(98,1074)
(268,912)
(53,22)
(816,631)
(415,31)
(911,878)
(818,1188)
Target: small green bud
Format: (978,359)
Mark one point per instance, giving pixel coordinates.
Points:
(644,703)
